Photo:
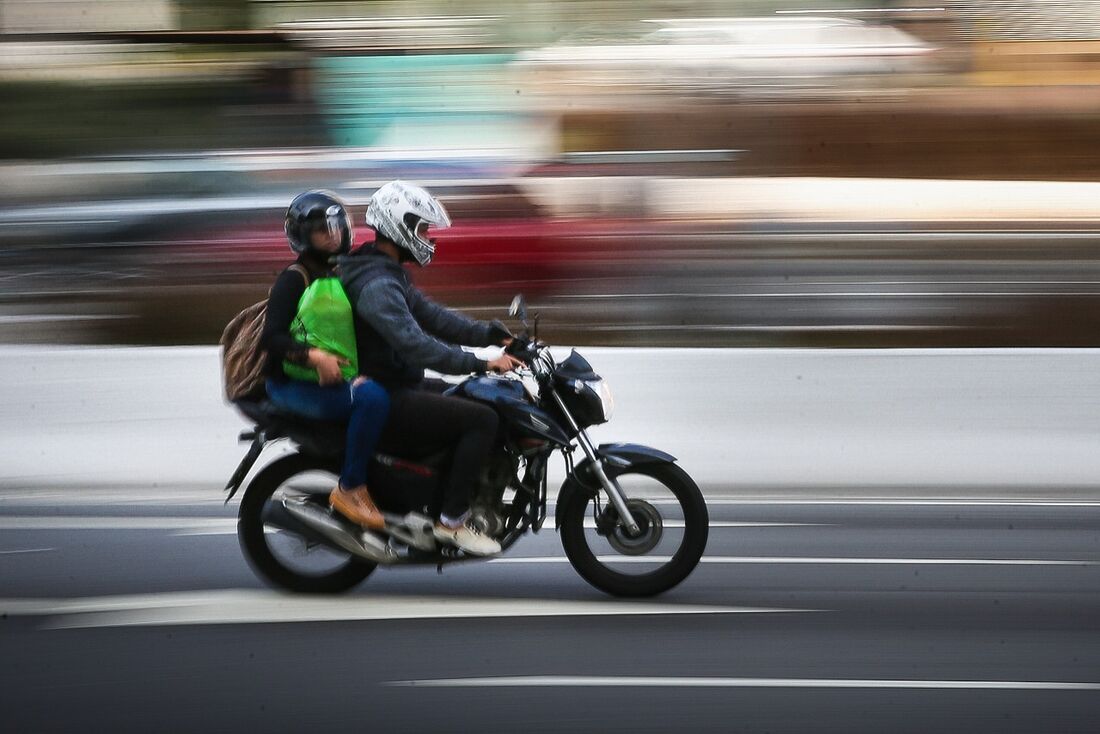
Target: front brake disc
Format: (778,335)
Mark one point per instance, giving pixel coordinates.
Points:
(650,530)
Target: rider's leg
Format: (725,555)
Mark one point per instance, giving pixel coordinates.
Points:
(471,453)
(431,422)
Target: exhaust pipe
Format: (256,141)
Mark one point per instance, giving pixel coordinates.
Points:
(274,513)
(320,522)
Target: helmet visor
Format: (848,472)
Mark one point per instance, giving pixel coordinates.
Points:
(336,222)
(419,229)
(332,222)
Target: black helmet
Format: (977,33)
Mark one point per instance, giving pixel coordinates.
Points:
(314,211)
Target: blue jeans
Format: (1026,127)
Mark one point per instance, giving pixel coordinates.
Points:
(365,408)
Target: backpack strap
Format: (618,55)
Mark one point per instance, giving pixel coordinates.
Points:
(300,269)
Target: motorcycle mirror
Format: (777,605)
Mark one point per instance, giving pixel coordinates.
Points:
(518,309)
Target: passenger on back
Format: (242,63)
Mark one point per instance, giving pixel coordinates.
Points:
(309,381)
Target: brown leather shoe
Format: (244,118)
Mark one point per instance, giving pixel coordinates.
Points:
(357,506)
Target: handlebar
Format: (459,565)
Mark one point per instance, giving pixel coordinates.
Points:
(523,348)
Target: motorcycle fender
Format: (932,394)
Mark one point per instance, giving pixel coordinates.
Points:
(258,441)
(617,458)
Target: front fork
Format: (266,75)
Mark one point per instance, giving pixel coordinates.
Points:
(610,487)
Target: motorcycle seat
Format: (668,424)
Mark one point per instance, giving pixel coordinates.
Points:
(325,439)
(319,438)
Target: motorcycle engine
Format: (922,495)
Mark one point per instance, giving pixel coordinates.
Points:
(487,508)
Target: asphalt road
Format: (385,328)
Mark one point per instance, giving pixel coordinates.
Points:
(138,613)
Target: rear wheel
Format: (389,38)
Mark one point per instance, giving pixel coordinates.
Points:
(286,559)
(673,526)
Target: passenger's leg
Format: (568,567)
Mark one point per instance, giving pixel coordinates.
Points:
(351,498)
(364,408)
(310,400)
(369,410)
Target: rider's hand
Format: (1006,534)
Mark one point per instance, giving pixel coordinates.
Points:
(327,366)
(499,334)
(504,363)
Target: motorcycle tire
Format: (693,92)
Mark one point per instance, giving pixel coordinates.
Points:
(253,539)
(669,574)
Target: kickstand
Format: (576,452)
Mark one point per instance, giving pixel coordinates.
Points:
(439,569)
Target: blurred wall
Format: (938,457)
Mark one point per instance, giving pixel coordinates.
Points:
(66,16)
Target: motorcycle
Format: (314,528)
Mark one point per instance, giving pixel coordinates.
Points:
(632,522)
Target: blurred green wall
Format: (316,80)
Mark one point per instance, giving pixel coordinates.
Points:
(426,99)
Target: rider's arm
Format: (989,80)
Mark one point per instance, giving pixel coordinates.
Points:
(382,305)
(282,307)
(451,326)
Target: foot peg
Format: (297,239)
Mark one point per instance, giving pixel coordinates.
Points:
(413,529)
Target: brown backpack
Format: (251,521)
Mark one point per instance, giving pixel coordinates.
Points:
(242,357)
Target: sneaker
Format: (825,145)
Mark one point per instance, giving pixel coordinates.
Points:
(357,506)
(467,539)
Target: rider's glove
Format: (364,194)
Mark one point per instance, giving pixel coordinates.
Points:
(498,332)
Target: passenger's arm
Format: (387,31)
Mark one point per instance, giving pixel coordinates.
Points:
(282,307)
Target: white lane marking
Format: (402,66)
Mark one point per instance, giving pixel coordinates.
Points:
(731,524)
(906,502)
(25,550)
(883,501)
(816,560)
(183,525)
(189,526)
(204,498)
(239,606)
(204,532)
(568,681)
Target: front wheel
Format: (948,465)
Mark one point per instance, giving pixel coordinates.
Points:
(673,526)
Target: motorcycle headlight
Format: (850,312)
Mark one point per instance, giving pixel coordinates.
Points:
(599,389)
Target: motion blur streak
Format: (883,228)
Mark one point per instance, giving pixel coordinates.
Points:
(881,214)
(906,173)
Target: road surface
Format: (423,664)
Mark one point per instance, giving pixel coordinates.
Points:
(127,613)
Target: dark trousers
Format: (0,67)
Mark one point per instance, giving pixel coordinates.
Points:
(420,417)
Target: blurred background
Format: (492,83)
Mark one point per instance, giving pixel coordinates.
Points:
(648,172)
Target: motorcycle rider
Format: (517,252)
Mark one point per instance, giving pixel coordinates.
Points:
(400,332)
(318,227)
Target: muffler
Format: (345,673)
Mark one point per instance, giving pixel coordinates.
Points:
(275,514)
(351,538)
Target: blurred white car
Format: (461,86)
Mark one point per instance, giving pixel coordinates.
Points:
(729,53)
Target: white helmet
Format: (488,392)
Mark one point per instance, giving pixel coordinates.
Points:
(397,209)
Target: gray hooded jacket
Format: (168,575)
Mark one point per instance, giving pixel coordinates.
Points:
(399,332)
